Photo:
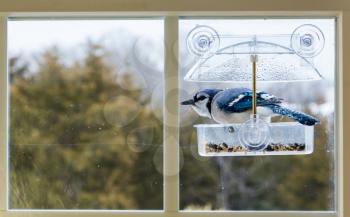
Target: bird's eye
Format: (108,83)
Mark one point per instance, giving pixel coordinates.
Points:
(202,97)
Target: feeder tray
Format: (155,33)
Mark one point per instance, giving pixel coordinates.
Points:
(286,138)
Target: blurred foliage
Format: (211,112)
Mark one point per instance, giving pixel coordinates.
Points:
(80,140)
(67,148)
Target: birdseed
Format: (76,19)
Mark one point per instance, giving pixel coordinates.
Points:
(273,147)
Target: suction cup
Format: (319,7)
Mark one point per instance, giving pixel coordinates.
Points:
(254,134)
(307,40)
(203,39)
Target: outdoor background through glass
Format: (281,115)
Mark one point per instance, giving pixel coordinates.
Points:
(86,114)
(86,105)
(305,182)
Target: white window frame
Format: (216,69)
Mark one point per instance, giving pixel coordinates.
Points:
(171,11)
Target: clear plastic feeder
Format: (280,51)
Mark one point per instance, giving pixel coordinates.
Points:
(286,138)
(281,58)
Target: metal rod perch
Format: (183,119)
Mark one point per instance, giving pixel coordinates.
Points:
(254,59)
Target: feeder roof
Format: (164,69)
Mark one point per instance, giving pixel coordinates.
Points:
(281,57)
(233,64)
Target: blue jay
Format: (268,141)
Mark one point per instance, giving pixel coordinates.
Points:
(234,105)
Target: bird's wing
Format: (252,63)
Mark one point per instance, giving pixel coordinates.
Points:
(232,101)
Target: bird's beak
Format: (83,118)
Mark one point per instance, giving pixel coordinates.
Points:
(188,102)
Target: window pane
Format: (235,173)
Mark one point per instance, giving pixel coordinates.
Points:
(86,126)
(267,182)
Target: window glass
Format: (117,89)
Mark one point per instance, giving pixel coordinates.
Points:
(268,182)
(85,114)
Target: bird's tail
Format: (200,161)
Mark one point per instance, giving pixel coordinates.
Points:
(297,116)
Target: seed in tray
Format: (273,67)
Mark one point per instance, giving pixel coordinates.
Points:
(223,147)
(212,145)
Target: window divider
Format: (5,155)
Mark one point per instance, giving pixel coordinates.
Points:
(171,116)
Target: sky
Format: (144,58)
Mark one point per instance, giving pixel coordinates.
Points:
(31,35)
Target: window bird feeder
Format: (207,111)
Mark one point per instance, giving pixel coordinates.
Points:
(254,58)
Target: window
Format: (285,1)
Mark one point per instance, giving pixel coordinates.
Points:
(151,169)
(287,182)
(85,114)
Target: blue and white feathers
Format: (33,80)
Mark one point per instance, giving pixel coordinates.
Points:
(234,105)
